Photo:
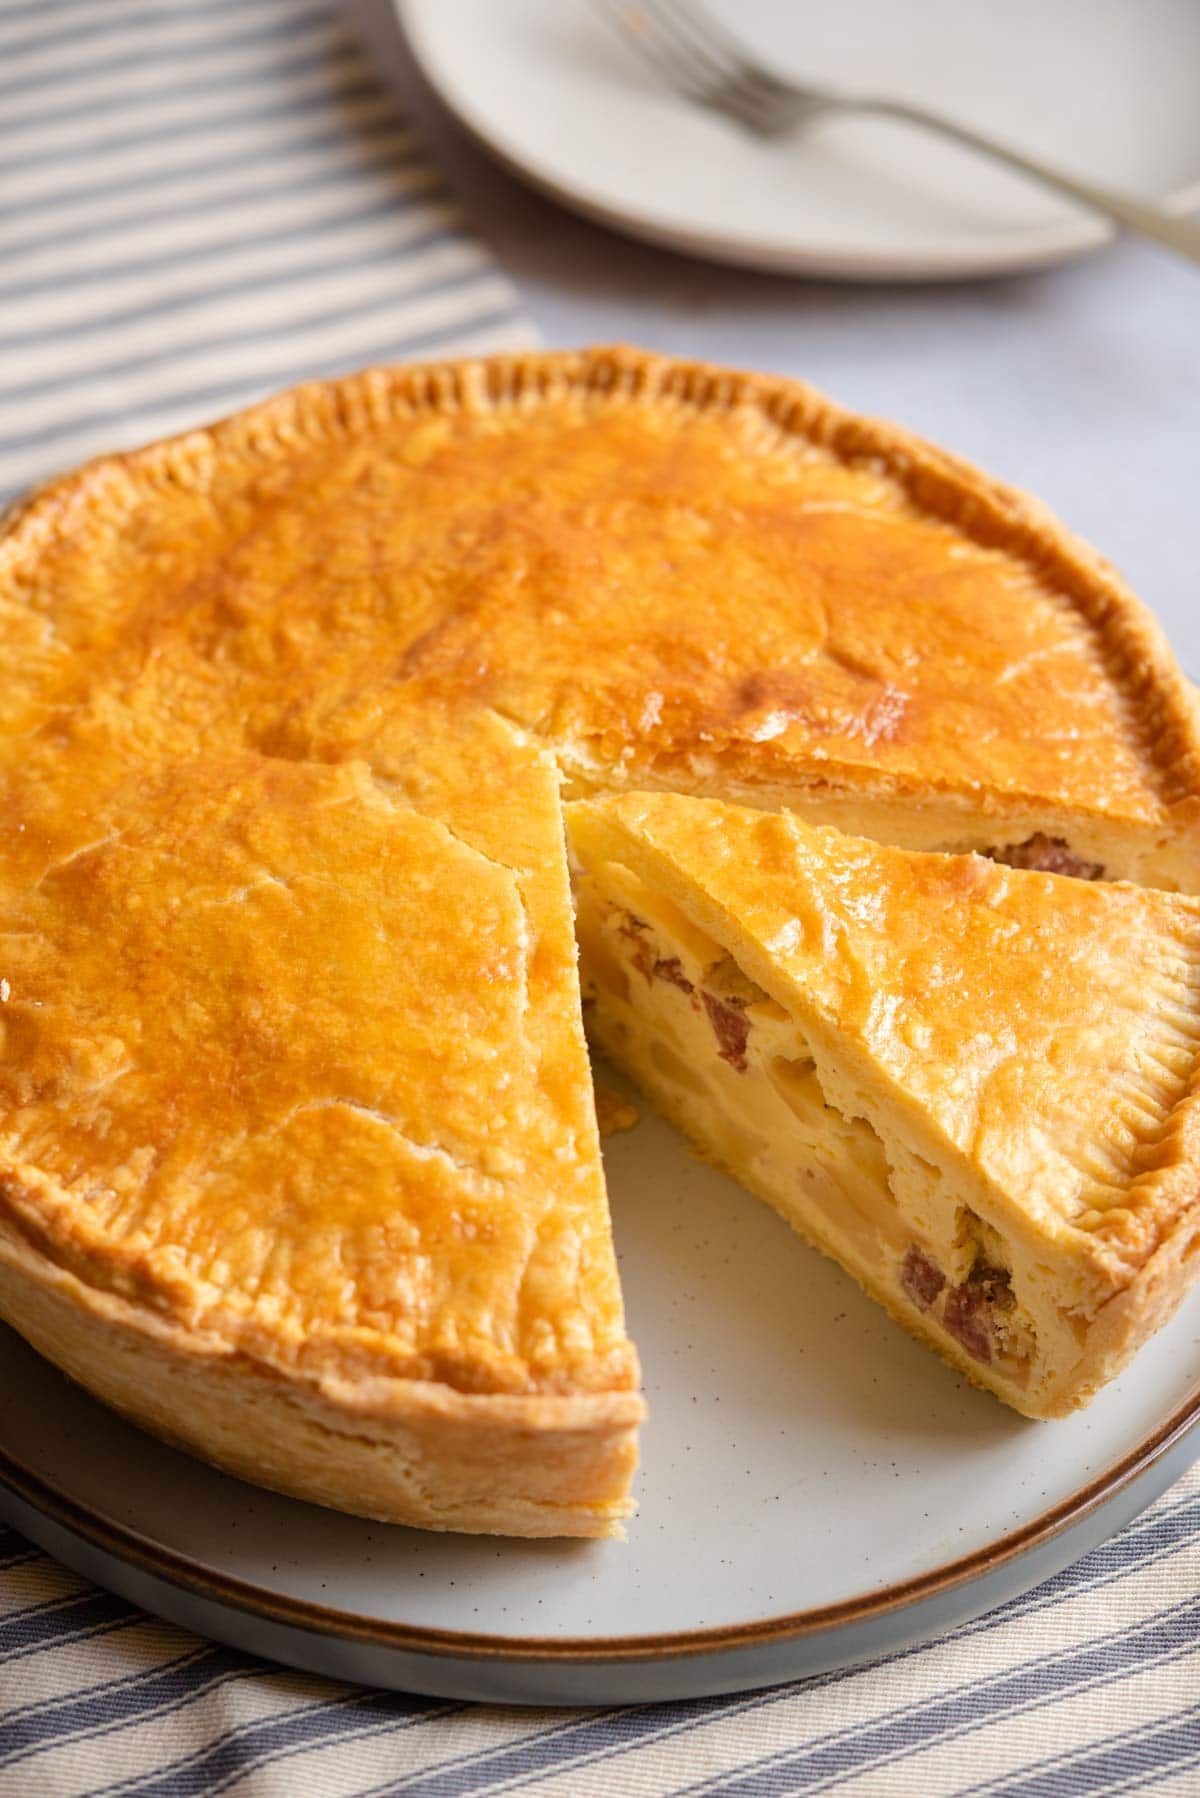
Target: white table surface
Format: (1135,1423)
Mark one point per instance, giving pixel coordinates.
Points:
(1081,384)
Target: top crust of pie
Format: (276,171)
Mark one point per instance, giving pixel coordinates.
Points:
(292,1049)
(766,594)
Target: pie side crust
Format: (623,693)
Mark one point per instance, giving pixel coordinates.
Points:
(401,1451)
(1012,1060)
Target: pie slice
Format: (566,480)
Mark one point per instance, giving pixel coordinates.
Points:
(975,1086)
(301,1165)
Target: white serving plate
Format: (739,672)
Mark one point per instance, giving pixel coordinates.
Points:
(1107,88)
(816,1489)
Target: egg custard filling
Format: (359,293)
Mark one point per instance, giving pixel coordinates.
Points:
(738,1075)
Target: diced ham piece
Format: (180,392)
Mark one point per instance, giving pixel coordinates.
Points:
(670,968)
(634,929)
(966,1317)
(968,1312)
(1046,855)
(921,1278)
(731,1027)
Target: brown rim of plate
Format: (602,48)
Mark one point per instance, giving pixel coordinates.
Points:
(191,1576)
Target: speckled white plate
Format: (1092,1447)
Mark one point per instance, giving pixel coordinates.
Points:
(1107,88)
(816,1488)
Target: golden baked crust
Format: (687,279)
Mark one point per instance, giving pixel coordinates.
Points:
(772,599)
(292,1061)
(294,1091)
(1020,1043)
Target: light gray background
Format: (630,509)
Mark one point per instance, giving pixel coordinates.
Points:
(1081,384)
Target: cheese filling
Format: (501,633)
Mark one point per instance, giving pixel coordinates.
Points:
(734,1070)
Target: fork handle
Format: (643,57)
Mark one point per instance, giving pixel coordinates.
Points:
(1178,233)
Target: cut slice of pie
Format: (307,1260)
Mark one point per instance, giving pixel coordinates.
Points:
(301,1165)
(975,1086)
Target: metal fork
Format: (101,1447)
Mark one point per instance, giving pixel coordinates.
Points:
(705,63)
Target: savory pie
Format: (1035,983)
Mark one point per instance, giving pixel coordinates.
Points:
(298,1159)
(974,1086)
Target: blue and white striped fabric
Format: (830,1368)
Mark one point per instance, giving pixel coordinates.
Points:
(1089,1685)
(201,201)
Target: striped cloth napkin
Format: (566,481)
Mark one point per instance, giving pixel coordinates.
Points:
(1091,1684)
(202,200)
